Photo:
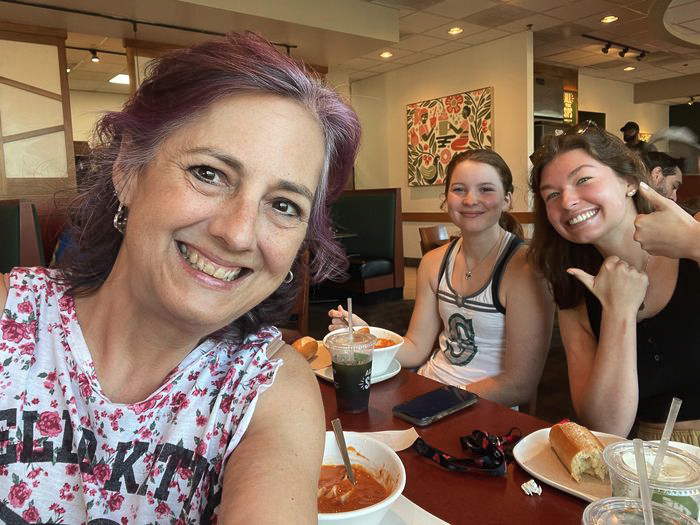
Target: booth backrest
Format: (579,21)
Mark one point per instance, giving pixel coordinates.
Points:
(20,235)
(371,216)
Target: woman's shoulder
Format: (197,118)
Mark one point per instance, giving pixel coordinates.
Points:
(518,261)
(431,262)
(520,274)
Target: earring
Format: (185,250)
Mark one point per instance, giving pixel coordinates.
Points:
(120,218)
(289,278)
(631,193)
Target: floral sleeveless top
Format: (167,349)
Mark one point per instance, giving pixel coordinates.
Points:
(69,455)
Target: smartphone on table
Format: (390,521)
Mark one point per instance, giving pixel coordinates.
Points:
(436,404)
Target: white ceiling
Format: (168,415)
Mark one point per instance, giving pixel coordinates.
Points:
(352,33)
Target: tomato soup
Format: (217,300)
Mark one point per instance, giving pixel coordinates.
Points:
(383,342)
(337,494)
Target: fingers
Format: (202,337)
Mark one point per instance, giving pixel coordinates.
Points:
(338,314)
(585,278)
(658,201)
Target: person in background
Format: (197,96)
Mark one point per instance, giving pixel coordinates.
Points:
(630,134)
(142,380)
(665,173)
(491,310)
(622,262)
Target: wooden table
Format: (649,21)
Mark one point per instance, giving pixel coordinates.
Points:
(459,497)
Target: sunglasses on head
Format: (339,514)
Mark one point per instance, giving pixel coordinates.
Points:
(579,129)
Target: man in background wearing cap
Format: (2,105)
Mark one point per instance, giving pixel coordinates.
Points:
(630,134)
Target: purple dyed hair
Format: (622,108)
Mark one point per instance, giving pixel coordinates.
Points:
(179,87)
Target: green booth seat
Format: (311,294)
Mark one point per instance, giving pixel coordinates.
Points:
(373,240)
(20,235)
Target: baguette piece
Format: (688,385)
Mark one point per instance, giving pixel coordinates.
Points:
(578,449)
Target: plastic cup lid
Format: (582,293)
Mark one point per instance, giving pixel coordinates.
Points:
(343,341)
(628,511)
(680,470)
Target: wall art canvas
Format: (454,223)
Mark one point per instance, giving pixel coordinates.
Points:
(442,127)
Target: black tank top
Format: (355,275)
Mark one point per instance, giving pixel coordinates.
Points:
(668,350)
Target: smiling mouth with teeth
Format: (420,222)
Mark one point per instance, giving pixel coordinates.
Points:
(197,261)
(582,217)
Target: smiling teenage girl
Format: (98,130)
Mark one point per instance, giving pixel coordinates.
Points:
(490,309)
(138,380)
(627,316)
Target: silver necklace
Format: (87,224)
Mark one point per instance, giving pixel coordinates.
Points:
(470,271)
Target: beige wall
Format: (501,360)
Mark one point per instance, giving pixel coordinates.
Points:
(380,101)
(616,100)
(87,107)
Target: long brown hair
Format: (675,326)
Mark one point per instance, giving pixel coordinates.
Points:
(549,252)
(493,159)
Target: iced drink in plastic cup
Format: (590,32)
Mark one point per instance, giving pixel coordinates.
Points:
(351,357)
(678,482)
(628,511)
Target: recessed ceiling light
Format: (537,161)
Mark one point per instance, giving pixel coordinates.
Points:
(630,68)
(455,30)
(121,78)
(386,54)
(609,19)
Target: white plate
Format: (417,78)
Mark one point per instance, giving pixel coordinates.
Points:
(405,512)
(394,368)
(534,454)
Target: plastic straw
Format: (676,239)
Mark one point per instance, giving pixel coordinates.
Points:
(352,338)
(643,481)
(665,436)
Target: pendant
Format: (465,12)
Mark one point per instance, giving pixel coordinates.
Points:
(469,275)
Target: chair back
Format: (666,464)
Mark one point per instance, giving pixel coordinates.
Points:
(20,235)
(433,236)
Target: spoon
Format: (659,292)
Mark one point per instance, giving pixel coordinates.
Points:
(340,439)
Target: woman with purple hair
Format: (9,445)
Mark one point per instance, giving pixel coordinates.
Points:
(142,380)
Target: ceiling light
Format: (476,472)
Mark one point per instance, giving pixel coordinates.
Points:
(606,47)
(68,70)
(624,51)
(94,58)
(630,68)
(455,30)
(609,19)
(641,55)
(121,78)
(386,54)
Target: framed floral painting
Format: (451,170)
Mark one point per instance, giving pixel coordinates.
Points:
(441,127)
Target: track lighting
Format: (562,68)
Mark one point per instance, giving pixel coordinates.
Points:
(624,49)
(94,58)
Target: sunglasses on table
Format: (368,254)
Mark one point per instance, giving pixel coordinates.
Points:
(579,129)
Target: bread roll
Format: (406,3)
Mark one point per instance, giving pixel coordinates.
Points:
(578,449)
(306,346)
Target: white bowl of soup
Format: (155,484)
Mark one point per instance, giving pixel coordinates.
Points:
(380,479)
(388,344)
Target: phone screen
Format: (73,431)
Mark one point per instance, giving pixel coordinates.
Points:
(434,405)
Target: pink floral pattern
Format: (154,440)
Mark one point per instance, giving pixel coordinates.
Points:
(86,458)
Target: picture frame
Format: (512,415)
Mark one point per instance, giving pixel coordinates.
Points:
(439,128)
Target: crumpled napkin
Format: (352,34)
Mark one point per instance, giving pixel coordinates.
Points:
(396,439)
